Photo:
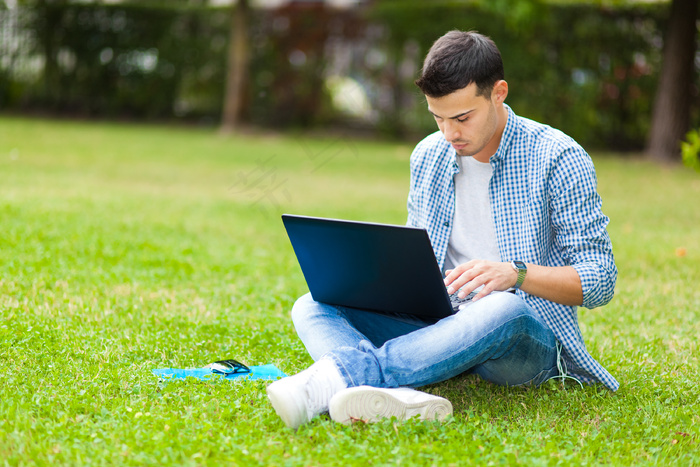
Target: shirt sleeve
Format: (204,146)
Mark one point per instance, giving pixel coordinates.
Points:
(580,226)
(412,203)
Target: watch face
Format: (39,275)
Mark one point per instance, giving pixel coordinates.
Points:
(519,265)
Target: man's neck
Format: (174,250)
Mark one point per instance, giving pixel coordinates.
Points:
(490,149)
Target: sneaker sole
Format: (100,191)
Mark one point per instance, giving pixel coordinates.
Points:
(369,404)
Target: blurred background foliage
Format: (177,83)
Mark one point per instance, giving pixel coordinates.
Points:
(587,68)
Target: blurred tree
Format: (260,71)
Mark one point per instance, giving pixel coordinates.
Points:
(289,64)
(671,117)
(672,105)
(661,133)
(48,20)
(588,67)
(237,67)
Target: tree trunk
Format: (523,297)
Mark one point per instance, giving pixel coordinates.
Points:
(671,118)
(237,72)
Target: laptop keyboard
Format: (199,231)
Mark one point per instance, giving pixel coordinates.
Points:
(457,302)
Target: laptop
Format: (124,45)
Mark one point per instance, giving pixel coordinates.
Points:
(376,267)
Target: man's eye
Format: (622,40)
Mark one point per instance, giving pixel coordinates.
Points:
(462,120)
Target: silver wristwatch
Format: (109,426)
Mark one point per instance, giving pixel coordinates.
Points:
(521,269)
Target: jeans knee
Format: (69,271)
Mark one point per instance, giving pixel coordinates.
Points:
(513,310)
(510,303)
(497,308)
(301,308)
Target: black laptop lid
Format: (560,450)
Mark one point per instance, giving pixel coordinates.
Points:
(378,267)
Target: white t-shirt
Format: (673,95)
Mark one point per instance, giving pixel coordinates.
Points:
(473,233)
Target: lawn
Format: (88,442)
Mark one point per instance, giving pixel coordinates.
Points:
(127,248)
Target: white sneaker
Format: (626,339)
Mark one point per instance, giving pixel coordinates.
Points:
(369,404)
(299,398)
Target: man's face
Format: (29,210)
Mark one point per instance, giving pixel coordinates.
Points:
(469,122)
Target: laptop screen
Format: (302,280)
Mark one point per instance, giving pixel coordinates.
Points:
(377,267)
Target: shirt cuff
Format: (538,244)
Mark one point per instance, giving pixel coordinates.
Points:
(596,284)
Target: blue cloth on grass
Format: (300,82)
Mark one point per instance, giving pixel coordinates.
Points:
(269,372)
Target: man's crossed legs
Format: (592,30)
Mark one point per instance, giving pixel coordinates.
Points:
(499,337)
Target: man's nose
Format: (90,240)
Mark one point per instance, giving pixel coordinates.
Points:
(451,130)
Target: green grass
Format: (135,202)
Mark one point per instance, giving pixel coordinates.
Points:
(126,248)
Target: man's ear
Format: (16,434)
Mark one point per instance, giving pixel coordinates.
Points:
(500,92)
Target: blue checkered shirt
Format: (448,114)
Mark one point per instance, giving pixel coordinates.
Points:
(546,211)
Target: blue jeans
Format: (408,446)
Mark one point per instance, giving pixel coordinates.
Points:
(499,337)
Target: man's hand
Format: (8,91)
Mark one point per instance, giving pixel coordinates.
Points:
(559,284)
(472,275)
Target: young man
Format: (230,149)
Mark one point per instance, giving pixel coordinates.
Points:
(509,205)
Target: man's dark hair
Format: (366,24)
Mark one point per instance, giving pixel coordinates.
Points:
(458,59)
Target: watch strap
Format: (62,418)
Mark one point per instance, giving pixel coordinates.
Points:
(521,270)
